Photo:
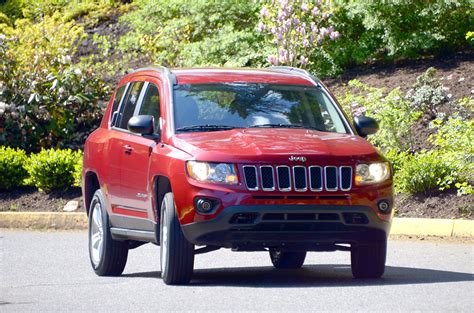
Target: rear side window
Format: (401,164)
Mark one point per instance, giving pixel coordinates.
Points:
(151,104)
(117,99)
(129,105)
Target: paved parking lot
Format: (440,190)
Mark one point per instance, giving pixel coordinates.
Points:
(50,271)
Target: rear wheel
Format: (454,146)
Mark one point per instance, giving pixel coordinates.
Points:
(368,261)
(177,254)
(287,259)
(108,257)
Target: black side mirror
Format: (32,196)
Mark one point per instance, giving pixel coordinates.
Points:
(142,124)
(365,125)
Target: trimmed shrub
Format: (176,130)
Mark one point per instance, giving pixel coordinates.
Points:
(12,168)
(54,169)
(426,172)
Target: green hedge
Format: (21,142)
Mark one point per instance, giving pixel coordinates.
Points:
(47,170)
(54,169)
(12,168)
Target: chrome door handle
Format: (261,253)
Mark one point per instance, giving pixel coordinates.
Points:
(127,149)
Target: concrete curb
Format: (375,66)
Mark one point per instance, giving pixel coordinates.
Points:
(432,227)
(400,226)
(43,220)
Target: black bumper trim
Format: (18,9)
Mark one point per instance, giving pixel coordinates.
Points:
(303,234)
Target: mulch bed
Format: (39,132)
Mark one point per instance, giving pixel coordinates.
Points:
(29,199)
(443,205)
(455,71)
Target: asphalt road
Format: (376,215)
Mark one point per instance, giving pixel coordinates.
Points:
(50,271)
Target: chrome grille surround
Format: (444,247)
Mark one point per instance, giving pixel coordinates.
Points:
(298,178)
(311,176)
(263,178)
(341,178)
(256,177)
(305,188)
(326,168)
(289,177)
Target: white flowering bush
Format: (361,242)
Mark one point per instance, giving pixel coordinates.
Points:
(45,99)
(428,93)
(296,28)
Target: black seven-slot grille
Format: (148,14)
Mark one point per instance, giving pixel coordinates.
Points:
(298,178)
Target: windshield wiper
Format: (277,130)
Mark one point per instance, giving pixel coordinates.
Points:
(286,126)
(207,127)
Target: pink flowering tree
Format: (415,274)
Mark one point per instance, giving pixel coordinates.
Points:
(297,28)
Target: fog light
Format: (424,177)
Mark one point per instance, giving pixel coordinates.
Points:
(384,206)
(205,206)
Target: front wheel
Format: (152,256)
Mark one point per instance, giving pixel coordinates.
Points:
(368,261)
(287,259)
(177,254)
(108,257)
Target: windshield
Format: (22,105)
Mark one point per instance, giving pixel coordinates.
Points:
(223,106)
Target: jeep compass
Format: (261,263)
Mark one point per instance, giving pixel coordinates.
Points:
(195,160)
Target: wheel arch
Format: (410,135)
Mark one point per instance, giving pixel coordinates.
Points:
(91,184)
(161,186)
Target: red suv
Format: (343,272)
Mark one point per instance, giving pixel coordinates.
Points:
(254,160)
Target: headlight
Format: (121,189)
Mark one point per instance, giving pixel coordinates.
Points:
(223,173)
(372,173)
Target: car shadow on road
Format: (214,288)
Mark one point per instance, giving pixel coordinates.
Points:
(328,275)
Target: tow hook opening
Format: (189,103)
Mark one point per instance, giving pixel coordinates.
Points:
(355,218)
(243,218)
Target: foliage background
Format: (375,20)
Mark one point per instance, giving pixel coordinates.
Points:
(59,61)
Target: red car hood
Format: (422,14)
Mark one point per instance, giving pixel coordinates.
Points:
(267,144)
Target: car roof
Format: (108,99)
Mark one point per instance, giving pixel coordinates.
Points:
(277,75)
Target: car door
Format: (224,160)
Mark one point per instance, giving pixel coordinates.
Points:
(114,145)
(119,147)
(135,197)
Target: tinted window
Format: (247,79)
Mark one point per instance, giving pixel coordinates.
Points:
(131,102)
(151,104)
(255,105)
(117,98)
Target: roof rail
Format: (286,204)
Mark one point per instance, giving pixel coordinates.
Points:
(162,69)
(157,68)
(291,69)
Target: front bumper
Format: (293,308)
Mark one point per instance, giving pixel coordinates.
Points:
(293,226)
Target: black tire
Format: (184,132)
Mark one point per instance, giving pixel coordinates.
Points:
(113,256)
(177,254)
(368,261)
(287,259)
